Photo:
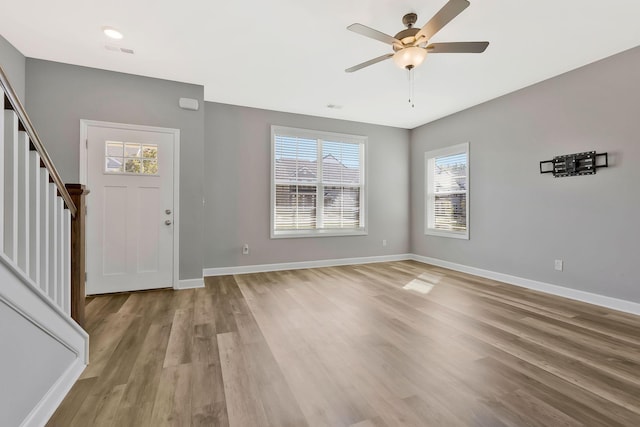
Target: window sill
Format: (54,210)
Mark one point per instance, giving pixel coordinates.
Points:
(464,235)
(317,233)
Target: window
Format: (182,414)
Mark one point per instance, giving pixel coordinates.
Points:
(317,183)
(447,188)
(130,158)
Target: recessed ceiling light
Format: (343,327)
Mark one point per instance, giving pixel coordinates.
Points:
(112,33)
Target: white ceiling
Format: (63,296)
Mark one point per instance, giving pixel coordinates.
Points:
(290,55)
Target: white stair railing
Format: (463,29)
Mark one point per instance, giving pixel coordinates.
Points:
(35,208)
(42,247)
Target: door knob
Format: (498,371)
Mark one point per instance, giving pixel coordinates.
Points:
(168,211)
(168,222)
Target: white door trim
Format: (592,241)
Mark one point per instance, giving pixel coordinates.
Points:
(84,159)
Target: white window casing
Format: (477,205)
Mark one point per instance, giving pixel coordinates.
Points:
(318,185)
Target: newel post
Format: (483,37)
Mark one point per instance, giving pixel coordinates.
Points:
(78,193)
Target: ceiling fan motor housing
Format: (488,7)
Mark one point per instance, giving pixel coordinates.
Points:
(407,36)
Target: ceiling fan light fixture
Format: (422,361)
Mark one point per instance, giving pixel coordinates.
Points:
(410,57)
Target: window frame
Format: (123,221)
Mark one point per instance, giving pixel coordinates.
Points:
(125,158)
(364,196)
(429,158)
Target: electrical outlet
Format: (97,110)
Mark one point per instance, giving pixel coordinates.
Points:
(245,249)
(384,242)
(558,265)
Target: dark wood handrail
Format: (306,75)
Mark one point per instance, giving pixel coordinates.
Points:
(17,106)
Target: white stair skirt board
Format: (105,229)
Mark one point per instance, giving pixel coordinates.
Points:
(54,397)
(588,297)
(190,284)
(26,299)
(263,268)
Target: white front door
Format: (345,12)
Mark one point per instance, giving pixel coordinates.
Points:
(130,209)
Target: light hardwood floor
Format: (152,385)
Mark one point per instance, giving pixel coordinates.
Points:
(348,346)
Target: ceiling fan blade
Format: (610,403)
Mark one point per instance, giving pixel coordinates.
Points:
(442,18)
(458,47)
(374,34)
(369,62)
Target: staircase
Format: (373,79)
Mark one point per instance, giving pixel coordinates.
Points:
(43,350)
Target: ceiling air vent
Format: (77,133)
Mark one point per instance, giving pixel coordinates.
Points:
(119,49)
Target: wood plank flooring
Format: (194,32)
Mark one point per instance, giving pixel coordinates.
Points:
(349,346)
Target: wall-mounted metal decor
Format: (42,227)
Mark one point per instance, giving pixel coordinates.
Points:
(574,164)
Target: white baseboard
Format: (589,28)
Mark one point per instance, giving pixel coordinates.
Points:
(190,284)
(263,268)
(54,397)
(588,297)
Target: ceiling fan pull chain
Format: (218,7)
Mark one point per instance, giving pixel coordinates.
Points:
(411,85)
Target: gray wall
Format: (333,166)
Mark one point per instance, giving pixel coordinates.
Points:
(237,190)
(520,220)
(13,63)
(60,95)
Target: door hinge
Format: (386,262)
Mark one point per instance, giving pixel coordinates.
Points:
(86,143)
(85,277)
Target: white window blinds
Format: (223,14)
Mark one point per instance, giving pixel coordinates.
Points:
(447,191)
(318,183)
(296,183)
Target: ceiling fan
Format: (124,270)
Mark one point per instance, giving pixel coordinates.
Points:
(411,45)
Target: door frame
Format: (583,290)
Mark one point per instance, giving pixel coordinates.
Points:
(84,162)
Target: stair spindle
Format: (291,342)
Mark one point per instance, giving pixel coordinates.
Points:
(34,216)
(10,184)
(23,202)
